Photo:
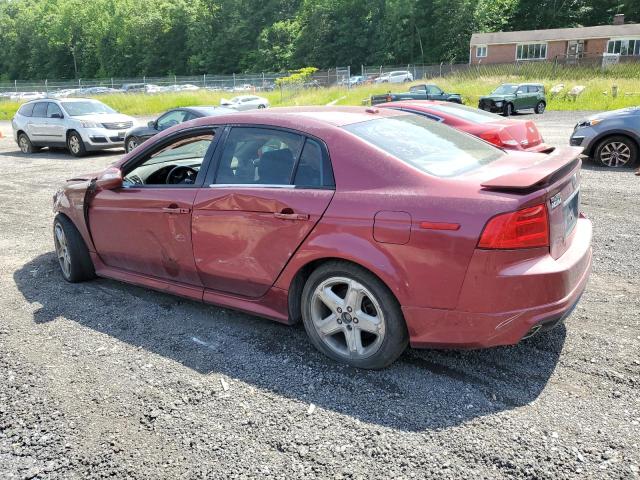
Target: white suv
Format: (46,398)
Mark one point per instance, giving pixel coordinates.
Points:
(399,76)
(80,124)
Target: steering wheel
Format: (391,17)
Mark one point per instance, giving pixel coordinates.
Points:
(181,174)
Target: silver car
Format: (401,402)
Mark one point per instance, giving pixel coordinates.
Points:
(245,102)
(610,138)
(79,124)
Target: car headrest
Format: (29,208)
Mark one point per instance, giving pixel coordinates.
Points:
(276,166)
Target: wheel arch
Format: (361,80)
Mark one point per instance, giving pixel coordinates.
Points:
(595,143)
(299,278)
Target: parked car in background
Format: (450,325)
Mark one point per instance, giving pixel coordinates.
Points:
(80,124)
(376,228)
(610,138)
(245,102)
(507,133)
(139,135)
(356,80)
(417,92)
(134,87)
(398,76)
(509,98)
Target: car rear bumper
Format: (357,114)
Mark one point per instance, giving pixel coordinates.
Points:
(502,306)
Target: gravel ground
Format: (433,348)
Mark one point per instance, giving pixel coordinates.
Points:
(107,380)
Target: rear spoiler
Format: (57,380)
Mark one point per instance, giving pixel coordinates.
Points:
(536,174)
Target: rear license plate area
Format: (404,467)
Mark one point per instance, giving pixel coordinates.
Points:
(571,212)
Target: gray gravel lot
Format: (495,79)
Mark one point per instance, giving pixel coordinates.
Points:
(103,379)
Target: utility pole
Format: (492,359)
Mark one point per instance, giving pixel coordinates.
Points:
(75,62)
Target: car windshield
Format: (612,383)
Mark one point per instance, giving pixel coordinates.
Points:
(467,113)
(505,89)
(90,107)
(434,148)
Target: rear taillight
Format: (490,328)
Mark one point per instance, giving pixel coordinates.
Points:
(499,138)
(492,137)
(526,228)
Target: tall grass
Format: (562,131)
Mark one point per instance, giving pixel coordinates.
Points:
(596,96)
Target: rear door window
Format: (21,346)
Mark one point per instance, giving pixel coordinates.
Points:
(40,109)
(431,147)
(260,156)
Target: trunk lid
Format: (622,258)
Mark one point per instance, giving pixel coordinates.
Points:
(554,177)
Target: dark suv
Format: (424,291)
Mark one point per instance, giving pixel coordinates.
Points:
(508,98)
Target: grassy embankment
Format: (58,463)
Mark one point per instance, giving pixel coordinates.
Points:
(597,95)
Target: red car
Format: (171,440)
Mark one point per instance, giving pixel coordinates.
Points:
(377,228)
(507,133)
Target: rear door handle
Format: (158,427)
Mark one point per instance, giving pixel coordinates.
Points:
(177,210)
(291,216)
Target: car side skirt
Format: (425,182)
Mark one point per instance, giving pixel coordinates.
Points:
(272,305)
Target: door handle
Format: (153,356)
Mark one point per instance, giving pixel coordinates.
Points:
(291,216)
(177,210)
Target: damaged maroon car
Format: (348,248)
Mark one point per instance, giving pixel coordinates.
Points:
(376,228)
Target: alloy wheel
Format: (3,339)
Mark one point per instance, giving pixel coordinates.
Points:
(24,146)
(348,318)
(74,144)
(62,250)
(131,144)
(615,154)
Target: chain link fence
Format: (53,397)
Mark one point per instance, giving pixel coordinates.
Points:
(560,68)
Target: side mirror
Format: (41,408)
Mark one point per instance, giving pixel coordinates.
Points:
(152,124)
(57,115)
(110,179)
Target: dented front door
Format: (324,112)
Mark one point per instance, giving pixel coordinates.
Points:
(146,231)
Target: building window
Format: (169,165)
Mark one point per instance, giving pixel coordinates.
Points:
(624,46)
(481,51)
(531,51)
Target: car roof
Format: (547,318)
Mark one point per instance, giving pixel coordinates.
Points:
(66,100)
(311,118)
(207,110)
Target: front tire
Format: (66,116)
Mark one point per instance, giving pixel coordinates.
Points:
(76,145)
(71,251)
(540,107)
(352,317)
(261,106)
(508,110)
(616,152)
(131,144)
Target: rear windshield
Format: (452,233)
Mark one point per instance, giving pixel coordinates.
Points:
(90,107)
(434,148)
(467,113)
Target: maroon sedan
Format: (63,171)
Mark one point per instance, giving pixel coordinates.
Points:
(507,133)
(376,228)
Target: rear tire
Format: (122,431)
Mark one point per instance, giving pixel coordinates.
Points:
(352,317)
(75,144)
(25,144)
(71,251)
(616,152)
(540,107)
